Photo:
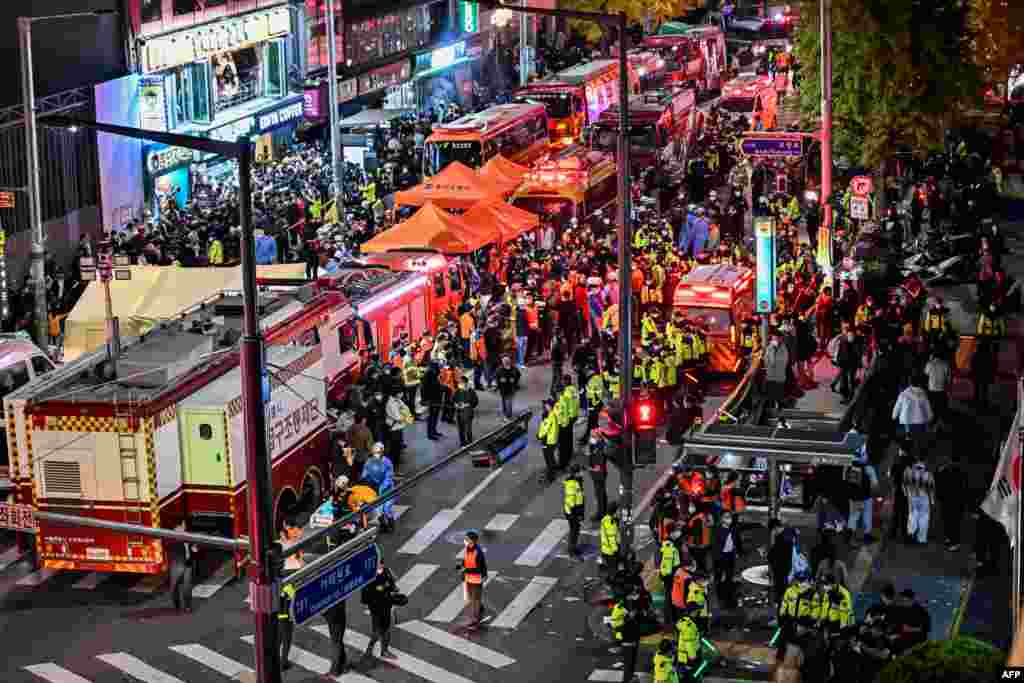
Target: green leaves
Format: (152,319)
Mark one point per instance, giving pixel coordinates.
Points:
(900,70)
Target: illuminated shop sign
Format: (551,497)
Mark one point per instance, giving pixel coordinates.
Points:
(292,112)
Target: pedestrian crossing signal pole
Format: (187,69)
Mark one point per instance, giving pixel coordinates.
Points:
(625,298)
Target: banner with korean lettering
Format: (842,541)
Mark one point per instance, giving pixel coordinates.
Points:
(764,234)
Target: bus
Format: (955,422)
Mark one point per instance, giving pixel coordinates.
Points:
(573,182)
(657,119)
(518,132)
(576,97)
(752,96)
(691,53)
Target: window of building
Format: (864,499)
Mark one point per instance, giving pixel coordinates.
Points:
(237,77)
(316,16)
(391,34)
(275,79)
(205,432)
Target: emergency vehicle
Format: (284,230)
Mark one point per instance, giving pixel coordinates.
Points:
(720,297)
(754,97)
(691,53)
(657,120)
(575,98)
(572,183)
(518,132)
(448,276)
(648,65)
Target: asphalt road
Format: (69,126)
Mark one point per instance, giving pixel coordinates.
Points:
(75,626)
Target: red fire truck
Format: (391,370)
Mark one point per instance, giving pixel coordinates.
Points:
(658,119)
(720,297)
(572,183)
(697,55)
(576,97)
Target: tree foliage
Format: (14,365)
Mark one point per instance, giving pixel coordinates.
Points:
(637,12)
(996,37)
(964,660)
(900,69)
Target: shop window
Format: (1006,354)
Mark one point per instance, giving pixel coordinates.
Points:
(151,10)
(194,93)
(205,432)
(274,69)
(236,77)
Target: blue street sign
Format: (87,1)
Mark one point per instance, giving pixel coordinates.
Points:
(772,146)
(764,233)
(335,583)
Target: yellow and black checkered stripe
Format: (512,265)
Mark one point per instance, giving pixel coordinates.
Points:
(86,423)
(166,416)
(150,446)
(12,445)
(227,462)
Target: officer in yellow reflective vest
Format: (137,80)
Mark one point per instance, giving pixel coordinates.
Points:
(668,564)
(991,323)
(648,329)
(688,634)
(568,408)
(664,664)
(697,593)
(547,434)
(797,595)
(837,610)
(285,624)
(611,382)
(572,506)
(610,539)
(610,320)
(595,401)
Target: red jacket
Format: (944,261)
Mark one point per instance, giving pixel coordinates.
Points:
(581,301)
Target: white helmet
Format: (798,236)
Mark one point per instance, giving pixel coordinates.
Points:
(378,448)
(341,482)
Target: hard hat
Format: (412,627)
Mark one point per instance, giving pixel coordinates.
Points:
(378,447)
(341,482)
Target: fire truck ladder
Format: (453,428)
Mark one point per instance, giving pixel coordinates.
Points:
(129,455)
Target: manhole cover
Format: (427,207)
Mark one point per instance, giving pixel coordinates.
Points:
(759,575)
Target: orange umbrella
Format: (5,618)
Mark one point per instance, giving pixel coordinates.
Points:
(504,173)
(433,228)
(510,220)
(456,187)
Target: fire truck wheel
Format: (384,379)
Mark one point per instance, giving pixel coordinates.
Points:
(312,489)
(286,505)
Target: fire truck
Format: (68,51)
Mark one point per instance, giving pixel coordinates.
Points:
(572,183)
(161,444)
(448,276)
(657,120)
(692,54)
(754,97)
(576,97)
(720,297)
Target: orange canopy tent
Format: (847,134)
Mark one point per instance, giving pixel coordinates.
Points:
(434,228)
(510,220)
(456,187)
(503,173)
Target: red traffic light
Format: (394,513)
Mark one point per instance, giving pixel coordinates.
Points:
(645,414)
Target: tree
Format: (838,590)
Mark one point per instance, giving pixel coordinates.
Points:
(637,12)
(965,660)
(900,68)
(997,37)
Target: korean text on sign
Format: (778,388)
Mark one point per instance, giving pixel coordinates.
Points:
(292,425)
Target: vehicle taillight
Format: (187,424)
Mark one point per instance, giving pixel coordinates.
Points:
(563,126)
(720,295)
(732,333)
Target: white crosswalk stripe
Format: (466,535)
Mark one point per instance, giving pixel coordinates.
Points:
(430,532)
(220,578)
(415,577)
(317,664)
(402,660)
(55,674)
(90,581)
(211,659)
(460,645)
(37,578)
(613,676)
(451,607)
(545,542)
(525,602)
(9,557)
(501,522)
(136,668)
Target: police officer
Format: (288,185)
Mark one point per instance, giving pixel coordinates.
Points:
(337,621)
(547,434)
(664,666)
(697,594)
(378,597)
(285,624)
(669,562)
(595,400)
(698,534)
(568,408)
(795,604)
(599,473)
(609,536)
(573,506)
(688,634)
(837,609)
(627,635)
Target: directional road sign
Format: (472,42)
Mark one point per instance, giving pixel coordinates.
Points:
(768,145)
(334,583)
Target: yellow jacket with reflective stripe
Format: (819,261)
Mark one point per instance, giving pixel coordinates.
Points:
(698,594)
(689,640)
(664,668)
(648,329)
(612,382)
(595,389)
(618,619)
(669,554)
(609,535)
(573,495)
(841,614)
(547,433)
(287,595)
(610,319)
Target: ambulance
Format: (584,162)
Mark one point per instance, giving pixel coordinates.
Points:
(754,97)
(719,297)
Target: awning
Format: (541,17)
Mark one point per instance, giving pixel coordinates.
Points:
(154,293)
(503,173)
(457,186)
(433,228)
(429,73)
(369,118)
(510,220)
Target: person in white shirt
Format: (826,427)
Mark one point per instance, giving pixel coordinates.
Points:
(919,486)
(913,412)
(939,378)
(547,238)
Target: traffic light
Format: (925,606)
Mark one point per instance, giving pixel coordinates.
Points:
(645,419)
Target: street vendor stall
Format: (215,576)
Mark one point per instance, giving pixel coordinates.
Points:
(457,187)
(153,294)
(434,228)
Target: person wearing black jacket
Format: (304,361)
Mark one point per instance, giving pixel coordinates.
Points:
(728,546)
(569,321)
(557,362)
(465,401)
(431,394)
(183,562)
(848,359)
(378,596)
(492,345)
(337,621)
(507,379)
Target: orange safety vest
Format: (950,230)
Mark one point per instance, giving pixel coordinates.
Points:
(466,324)
(478,350)
(638,280)
(532,318)
(469,562)
(684,485)
(732,500)
(704,539)
(712,488)
(680,587)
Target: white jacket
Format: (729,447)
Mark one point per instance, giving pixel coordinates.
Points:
(912,407)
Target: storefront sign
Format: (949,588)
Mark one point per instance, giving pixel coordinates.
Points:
(384,77)
(443,57)
(152,104)
(469,17)
(311,104)
(764,232)
(188,46)
(165,158)
(292,112)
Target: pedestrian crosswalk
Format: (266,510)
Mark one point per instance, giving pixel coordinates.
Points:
(146,584)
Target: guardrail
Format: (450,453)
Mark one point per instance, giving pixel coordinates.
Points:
(730,408)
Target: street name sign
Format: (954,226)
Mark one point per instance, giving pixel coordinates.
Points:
(335,583)
(767,145)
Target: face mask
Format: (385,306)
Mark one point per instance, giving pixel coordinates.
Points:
(593,442)
(849,337)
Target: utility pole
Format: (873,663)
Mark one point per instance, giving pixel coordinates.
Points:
(625,296)
(337,167)
(260,492)
(37,265)
(826,130)
(524,47)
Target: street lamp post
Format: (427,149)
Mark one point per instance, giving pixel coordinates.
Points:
(524,46)
(337,167)
(826,130)
(28,96)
